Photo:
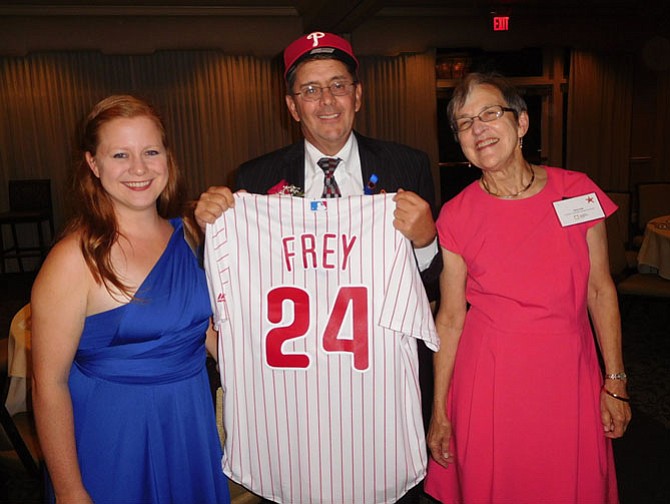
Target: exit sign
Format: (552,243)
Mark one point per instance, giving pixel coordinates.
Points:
(500,23)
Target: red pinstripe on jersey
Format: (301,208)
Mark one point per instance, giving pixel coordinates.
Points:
(308,420)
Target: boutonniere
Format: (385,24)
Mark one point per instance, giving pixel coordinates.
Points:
(284,188)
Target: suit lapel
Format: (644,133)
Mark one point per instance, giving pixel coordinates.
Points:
(369,160)
(378,161)
(294,167)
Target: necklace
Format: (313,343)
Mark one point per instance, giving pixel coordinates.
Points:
(516,194)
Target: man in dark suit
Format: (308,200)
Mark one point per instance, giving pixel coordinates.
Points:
(323,95)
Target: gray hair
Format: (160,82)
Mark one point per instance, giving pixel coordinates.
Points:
(494,79)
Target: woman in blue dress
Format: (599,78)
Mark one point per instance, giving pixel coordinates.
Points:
(121,323)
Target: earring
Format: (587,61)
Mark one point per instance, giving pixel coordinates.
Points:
(520,142)
(469,164)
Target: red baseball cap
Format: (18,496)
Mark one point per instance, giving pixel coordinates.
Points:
(318,43)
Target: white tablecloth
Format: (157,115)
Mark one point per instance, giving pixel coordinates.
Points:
(654,254)
(19,363)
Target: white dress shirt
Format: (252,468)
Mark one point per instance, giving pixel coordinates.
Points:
(349,178)
(348,174)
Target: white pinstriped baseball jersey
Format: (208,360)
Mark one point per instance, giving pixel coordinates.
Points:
(319,305)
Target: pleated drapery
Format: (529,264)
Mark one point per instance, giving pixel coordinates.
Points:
(400,102)
(220,110)
(599,117)
(661,129)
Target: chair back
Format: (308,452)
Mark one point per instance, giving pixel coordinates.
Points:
(19,360)
(616,249)
(6,419)
(30,195)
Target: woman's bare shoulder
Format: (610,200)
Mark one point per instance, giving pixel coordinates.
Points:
(64,265)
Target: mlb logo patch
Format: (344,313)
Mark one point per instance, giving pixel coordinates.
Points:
(318,206)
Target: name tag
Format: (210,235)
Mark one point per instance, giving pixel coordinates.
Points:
(579,209)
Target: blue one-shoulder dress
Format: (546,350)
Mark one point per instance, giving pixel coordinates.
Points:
(145,426)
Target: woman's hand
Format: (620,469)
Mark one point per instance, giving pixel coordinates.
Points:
(439,440)
(615,413)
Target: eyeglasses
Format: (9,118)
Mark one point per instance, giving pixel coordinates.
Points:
(487,115)
(337,88)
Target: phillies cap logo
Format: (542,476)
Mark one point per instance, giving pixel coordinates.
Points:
(318,43)
(314,37)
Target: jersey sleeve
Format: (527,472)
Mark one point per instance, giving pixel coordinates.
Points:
(405,307)
(217,269)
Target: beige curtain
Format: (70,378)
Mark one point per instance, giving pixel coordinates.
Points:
(661,154)
(400,102)
(219,110)
(599,117)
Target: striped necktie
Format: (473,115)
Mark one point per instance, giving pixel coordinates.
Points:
(330,188)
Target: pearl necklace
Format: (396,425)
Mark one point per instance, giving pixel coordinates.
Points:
(510,196)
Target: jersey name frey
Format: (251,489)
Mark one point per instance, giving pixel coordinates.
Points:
(328,251)
(319,308)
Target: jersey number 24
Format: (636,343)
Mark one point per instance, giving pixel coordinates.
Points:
(357,345)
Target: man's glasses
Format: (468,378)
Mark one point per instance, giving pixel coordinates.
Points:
(487,115)
(337,88)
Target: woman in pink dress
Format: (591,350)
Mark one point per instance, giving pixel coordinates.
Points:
(522,412)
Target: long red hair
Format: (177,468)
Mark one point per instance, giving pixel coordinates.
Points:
(94,218)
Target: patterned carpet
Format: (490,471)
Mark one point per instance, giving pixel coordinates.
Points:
(641,455)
